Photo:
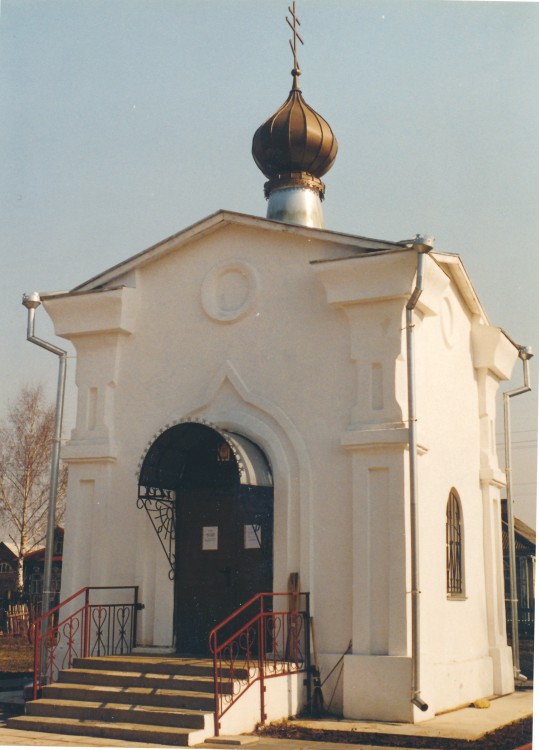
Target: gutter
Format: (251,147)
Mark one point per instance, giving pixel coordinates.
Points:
(32,302)
(525,353)
(422,245)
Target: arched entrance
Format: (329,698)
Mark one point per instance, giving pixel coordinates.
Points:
(209,495)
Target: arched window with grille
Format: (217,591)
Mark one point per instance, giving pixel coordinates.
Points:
(454,547)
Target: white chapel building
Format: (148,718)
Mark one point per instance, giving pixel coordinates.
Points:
(338,390)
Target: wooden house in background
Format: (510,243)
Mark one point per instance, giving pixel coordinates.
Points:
(34,563)
(525,569)
(8,570)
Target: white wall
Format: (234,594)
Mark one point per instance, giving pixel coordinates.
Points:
(240,328)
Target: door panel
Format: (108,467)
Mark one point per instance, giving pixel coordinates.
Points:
(219,565)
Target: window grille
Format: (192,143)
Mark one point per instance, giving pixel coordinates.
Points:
(455,582)
(56,579)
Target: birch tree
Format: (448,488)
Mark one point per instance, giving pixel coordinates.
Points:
(26,441)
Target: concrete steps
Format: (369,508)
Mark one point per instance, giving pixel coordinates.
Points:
(137,679)
(160,700)
(112,731)
(122,712)
(136,695)
(156,665)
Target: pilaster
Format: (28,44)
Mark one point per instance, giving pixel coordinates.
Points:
(97,324)
(494,356)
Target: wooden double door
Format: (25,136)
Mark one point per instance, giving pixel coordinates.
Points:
(224,544)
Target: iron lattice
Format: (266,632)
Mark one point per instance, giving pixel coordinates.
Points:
(160,505)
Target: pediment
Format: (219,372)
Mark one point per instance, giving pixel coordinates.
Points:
(122,273)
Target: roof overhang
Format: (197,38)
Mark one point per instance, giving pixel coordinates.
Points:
(211,224)
(453,266)
(359,247)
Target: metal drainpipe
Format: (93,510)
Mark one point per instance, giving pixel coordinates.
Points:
(525,354)
(422,245)
(32,302)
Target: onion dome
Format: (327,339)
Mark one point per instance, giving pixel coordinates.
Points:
(295,146)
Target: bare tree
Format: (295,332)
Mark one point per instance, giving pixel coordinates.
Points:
(26,437)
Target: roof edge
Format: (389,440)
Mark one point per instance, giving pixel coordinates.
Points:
(452,265)
(212,223)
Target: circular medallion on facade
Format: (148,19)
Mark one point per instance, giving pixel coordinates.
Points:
(447,319)
(229,290)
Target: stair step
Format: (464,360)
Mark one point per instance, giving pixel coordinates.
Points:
(154,664)
(145,696)
(108,730)
(160,700)
(106,677)
(180,665)
(120,712)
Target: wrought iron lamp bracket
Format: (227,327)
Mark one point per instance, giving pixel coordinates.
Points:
(160,505)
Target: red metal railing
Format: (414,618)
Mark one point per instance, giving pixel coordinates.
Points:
(91,628)
(258,641)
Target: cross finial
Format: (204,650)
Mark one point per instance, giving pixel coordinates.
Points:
(293,45)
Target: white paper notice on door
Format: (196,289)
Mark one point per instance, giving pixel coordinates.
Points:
(210,537)
(252,536)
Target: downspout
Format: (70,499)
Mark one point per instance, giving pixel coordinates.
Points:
(525,354)
(32,302)
(422,245)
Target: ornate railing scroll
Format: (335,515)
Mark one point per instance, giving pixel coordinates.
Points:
(86,624)
(269,636)
(160,505)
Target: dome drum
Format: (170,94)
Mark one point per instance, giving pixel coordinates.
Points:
(296,205)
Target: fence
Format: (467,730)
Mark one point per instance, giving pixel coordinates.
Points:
(268,637)
(17,612)
(526,621)
(89,623)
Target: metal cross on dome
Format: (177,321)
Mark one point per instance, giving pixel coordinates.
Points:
(297,35)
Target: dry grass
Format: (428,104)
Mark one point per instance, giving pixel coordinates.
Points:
(508,737)
(16,654)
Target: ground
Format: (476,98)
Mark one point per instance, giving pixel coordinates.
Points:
(506,738)
(16,655)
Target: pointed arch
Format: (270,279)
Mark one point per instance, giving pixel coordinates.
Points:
(227,403)
(162,467)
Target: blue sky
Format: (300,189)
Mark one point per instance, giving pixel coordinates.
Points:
(124,121)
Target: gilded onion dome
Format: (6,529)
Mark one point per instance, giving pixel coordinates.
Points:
(295,146)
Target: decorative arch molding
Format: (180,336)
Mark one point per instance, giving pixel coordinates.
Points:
(262,418)
(159,477)
(249,460)
(225,403)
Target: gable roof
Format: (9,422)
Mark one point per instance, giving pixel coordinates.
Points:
(115,276)
(212,224)
(7,553)
(524,534)
(38,555)
(524,531)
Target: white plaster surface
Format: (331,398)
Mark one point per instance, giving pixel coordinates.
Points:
(295,338)
(284,697)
